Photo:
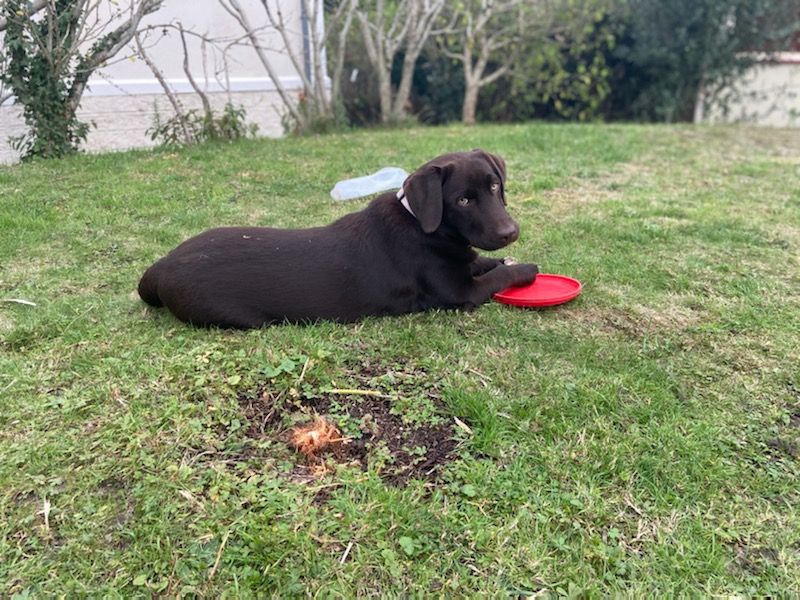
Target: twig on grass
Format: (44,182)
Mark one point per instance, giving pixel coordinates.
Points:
(219,555)
(484,379)
(346,552)
(317,488)
(629,501)
(190,497)
(463,425)
(303,372)
(18,301)
(46,514)
(355,392)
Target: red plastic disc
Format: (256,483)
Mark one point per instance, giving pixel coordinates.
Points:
(546,290)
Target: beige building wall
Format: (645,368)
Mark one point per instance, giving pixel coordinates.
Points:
(768,94)
(121,122)
(120,98)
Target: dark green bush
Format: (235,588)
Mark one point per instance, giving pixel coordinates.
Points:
(562,75)
(438,91)
(359,85)
(669,49)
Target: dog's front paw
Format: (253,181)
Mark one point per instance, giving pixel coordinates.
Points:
(525,274)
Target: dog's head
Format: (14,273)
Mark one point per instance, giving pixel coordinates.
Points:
(464,193)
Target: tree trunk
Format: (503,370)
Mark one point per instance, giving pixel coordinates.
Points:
(385,94)
(473,81)
(404,89)
(470,105)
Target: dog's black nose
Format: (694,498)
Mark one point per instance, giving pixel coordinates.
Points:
(508,233)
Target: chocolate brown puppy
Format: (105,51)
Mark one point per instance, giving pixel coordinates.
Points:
(405,252)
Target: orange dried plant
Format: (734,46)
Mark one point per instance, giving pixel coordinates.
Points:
(313,438)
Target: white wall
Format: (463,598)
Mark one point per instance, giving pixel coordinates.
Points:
(205,17)
(120,96)
(768,94)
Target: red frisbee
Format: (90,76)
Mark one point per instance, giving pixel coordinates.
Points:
(546,290)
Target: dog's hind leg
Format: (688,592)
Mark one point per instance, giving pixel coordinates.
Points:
(148,286)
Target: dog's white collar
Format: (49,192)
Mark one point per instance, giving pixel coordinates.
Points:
(401,195)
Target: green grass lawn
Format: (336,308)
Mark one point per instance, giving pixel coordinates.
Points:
(642,439)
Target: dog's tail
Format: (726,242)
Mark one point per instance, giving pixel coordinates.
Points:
(148,286)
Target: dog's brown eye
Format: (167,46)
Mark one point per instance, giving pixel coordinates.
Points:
(495,187)
(463,201)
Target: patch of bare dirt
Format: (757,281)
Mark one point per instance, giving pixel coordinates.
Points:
(407,451)
(756,560)
(581,196)
(6,324)
(779,448)
(779,143)
(638,320)
(565,202)
(393,423)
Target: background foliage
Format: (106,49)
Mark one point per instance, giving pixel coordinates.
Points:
(41,80)
(201,126)
(667,51)
(564,74)
(586,60)
(600,59)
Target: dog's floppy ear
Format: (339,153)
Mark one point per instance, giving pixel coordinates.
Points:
(423,189)
(499,167)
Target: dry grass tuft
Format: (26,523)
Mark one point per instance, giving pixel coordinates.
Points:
(311,439)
